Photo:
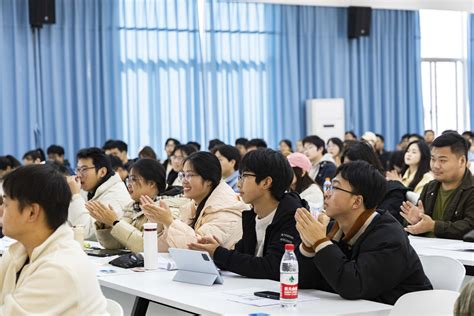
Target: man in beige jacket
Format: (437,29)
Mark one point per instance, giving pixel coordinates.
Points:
(45,272)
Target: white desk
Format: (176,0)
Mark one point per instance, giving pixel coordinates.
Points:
(158,286)
(425,246)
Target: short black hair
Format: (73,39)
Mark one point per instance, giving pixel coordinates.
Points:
(59,167)
(229,152)
(99,158)
(381,137)
(151,170)
(120,145)
(241,141)
(364,180)
(407,135)
(8,161)
(195,144)
(55,149)
(469,133)
(362,151)
(351,133)
(34,154)
(456,143)
(256,142)
(108,144)
(418,136)
(116,162)
(214,143)
(43,185)
(265,162)
(316,141)
(428,131)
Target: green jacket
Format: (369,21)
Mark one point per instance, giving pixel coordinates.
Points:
(458,217)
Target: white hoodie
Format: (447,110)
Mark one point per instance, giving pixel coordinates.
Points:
(112,192)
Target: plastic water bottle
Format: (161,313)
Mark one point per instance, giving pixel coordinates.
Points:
(150,246)
(327,184)
(289,278)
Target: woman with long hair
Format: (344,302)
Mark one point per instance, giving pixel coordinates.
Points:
(416,169)
(335,147)
(302,183)
(214,210)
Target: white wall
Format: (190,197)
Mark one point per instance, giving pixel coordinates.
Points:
(455,5)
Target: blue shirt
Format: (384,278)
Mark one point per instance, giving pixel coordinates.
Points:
(232,180)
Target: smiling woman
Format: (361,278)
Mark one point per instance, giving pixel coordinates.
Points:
(215,209)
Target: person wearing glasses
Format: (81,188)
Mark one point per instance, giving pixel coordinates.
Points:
(94,175)
(265,176)
(174,185)
(147,178)
(364,253)
(214,210)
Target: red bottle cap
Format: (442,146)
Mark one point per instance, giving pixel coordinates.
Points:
(289,247)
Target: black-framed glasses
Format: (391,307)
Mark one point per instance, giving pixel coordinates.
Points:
(83,170)
(331,189)
(246,174)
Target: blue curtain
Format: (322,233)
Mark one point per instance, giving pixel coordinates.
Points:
(145,70)
(59,84)
(470,67)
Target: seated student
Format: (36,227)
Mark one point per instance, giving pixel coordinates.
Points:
(45,272)
(395,194)
(265,175)
(335,147)
(285,147)
(170,145)
(8,163)
(416,170)
(147,178)
(215,209)
(35,156)
(147,152)
(240,144)
(119,148)
(229,158)
(96,177)
(323,165)
(174,185)
(365,254)
(446,205)
(118,167)
(254,144)
(56,153)
(302,183)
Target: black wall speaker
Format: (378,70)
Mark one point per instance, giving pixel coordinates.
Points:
(42,12)
(358,21)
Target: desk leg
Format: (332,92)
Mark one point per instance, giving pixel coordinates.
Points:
(140,306)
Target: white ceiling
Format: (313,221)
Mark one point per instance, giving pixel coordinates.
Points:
(455,5)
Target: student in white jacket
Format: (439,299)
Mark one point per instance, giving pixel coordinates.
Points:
(96,177)
(45,272)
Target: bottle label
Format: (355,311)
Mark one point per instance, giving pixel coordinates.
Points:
(289,285)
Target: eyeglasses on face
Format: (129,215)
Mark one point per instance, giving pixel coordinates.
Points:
(246,174)
(186,176)
(83,170)
(331,189)
(177,158)
(132,180)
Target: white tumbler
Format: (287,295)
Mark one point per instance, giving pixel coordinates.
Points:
(150,246)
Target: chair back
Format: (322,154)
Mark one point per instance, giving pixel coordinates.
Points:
(114,308)
(431,302)
(445,273)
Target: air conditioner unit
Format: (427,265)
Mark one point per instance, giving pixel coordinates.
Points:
(325,118)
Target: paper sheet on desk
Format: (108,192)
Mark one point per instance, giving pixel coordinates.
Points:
(456,247)
(246,296)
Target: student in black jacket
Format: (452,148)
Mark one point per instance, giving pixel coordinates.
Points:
(366,254)
(265,175)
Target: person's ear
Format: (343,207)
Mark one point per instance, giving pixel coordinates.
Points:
(102,172)
(358,202)
(233,163)
(33,212)
(267,183)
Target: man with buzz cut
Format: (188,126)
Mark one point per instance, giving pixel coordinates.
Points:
(365,254)
(45,272)
(446,205)
(265,176)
